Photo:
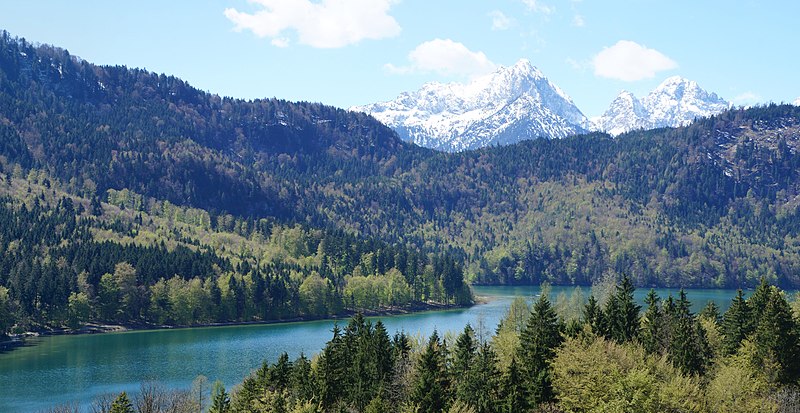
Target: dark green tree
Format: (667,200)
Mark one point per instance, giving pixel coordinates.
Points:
(538,342)
(513,397)
(122,404)
(301,380)
(479,388)
(736,324)
(220,401)
(593,315)
(429,391)
(463,354)
(622,313)
(688,347)
(711,312)
(651,334)
(776,340)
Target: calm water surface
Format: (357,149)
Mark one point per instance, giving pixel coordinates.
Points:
(76,369)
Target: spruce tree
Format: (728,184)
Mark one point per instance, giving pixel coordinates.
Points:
(688,347)
(483,379)
(711,312)
(463,353)
(539,340)
(332,369)
(758,302)
(622,313)
(122,404)
(220,402)
(776,340)
(736,325)
(593,316)
(513,397)
(429,393)
(651,331)
(301,383)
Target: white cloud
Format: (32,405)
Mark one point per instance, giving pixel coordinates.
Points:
(578,21)
(579,66)
(326,24)
(280,42)
(445,57)
(538,7)
(500,21)
(746,98)
(796,102)
(630,61)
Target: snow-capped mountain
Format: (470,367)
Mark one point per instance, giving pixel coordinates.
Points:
(509,105)
(675,102)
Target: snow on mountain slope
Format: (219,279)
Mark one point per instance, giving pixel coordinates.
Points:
(675,102)
(509,105)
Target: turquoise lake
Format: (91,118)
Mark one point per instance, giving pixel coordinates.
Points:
(50,371)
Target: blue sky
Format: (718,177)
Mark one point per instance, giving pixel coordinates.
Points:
(348,52)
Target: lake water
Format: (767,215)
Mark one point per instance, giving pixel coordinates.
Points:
(75,369)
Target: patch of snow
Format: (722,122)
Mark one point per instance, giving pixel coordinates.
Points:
(509,105)
(675,102)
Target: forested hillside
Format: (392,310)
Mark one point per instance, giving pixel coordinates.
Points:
(66,261)
(710,204)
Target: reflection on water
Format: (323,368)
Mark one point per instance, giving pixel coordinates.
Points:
(53,370)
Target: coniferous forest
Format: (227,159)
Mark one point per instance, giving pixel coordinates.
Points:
(129,197)
(606,354)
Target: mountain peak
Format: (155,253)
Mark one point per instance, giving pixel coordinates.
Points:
(513,103)
(523,66)
(675,102)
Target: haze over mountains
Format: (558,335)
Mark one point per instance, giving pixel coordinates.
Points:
(519,102)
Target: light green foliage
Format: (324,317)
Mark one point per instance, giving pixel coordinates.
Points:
(570,308)
(506,340)
(592,374)
(79,310)
(108,298)
(737,387)
(315,293)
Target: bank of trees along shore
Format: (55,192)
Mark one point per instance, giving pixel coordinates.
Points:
(604,354)
(65,262)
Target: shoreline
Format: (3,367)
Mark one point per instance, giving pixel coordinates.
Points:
(19,340)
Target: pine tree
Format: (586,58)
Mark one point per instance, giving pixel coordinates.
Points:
(301,383)
(758,302)
(651,331)
(711,312)
(513,397)
(429,393)
(776,340)
(593,316)
(122,404)
(482,380)
(736,325)
(688,347)
(332,369)
(622,313)
(220,402)
(463,353)
(539,340)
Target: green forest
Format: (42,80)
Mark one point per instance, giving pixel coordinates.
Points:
(65,261)
(712,204)
(604,354)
